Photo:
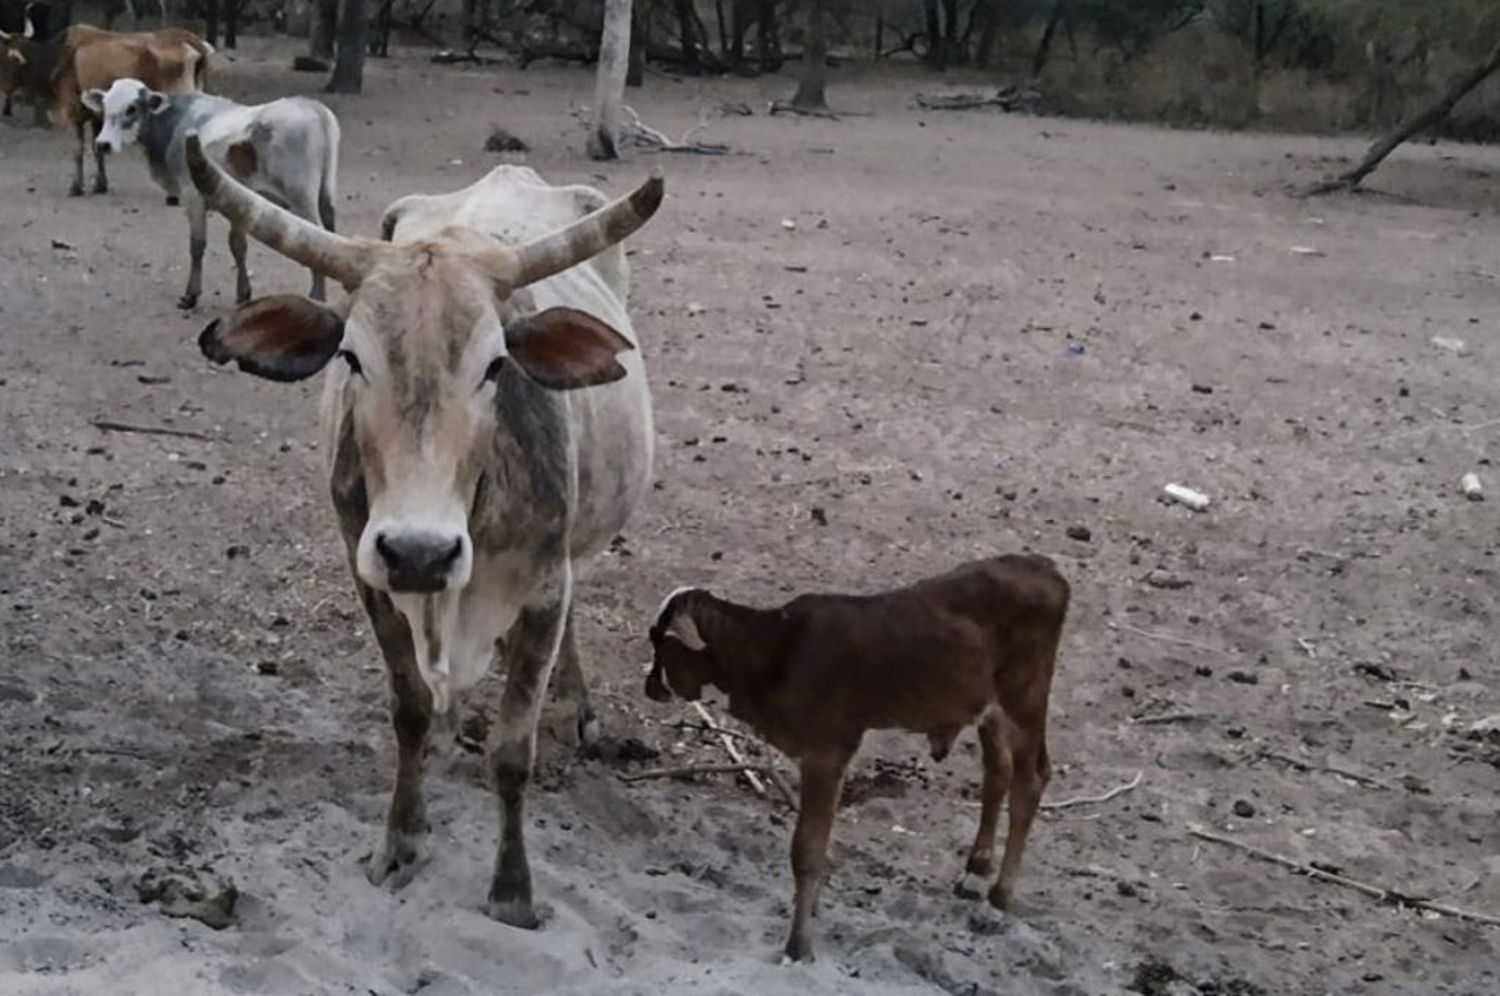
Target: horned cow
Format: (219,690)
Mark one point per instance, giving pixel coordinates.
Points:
(813,676)
(171,61)
(286,150)
(488,424)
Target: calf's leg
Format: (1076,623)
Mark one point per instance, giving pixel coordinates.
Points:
(101,178)
(80,131)
(411,715)
(197,213)
(532,644)
(994,744)
(237,248)
(1033,770)
(822,780)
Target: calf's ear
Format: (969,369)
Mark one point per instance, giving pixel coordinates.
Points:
(285,337)
(16,56)
(93,100)
(564,348)
(156,102)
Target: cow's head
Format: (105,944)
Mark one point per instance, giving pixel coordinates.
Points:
(681,662)
(423,350)
(124,107)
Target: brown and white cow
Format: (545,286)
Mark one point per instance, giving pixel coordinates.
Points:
(170,61)
(488,423)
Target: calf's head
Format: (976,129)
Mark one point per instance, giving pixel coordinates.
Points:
(124,107)
(424,343)
(682,662)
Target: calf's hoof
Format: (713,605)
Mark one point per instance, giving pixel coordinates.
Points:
(76,190)
(187,302)
(100,187)
(971,886)
(798,949)
(514,913)
(242,296)
(398,860)
(173,200)
(1000,897)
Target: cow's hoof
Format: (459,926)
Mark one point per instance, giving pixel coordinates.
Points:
(971,886)
(589,733)
(242,296)
(398,860)
(101,188)
(173,200)
(1000,898)
(514,913)
(187,302)
(76,190)
(798,950)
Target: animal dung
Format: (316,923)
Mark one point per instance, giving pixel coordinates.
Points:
(1449,343)
(1471,487)
(1184,495)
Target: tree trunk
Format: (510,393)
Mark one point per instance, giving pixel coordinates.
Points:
(688,37)
(768,37)
(810,95)
(609,80)
(324,22)
(1043,50)
(635,72)
(349,63)
(934,15)
(988,33)
(1429,117)
(952,53)
(380,42)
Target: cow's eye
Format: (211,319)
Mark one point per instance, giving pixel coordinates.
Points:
(353,361)
(492,372)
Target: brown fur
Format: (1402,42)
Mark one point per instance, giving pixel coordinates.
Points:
(171,60)
(977,644)
(241,158)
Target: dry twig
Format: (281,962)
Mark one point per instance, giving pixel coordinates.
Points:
(730,748)
(693,769)
(1302,765)
(1170,717)
(110,425)
(1084,800)
(1167,638)
(1373,891)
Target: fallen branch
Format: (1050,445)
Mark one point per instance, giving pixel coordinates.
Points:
(683,724)
(781,107)
(1170,717)
(1373,891)
(109,425)
(730,748)
(1084,800)
(1302,765)
(646,137)
(1007,98)
(1166,638)
(694,769)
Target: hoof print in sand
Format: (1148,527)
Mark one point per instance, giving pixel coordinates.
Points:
(198,893)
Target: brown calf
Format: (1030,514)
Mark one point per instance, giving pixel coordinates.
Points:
(169,61)
(976,644)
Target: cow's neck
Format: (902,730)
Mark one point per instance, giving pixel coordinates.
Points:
(156,135)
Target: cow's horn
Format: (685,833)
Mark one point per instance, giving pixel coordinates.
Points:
(586,237)
(344,259)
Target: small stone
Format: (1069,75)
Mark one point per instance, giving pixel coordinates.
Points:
(1243,809)
(819,516)
(1203,671)
(200,894)
(1203,389)
(501,140)
(1080,533)
(1244,677)
(236,551)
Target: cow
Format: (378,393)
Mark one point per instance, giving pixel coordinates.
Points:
(170,61)
(31,19)
(287,150)
(488,427)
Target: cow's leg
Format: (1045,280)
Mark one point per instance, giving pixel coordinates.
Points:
(231,23)
(998,767)
(411,714)
(532,645)
(80,131)
(572,686)
(238,243)
(822,779)
(197,213)
(9,94)
(101,178)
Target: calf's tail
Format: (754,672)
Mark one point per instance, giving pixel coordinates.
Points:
(328,189)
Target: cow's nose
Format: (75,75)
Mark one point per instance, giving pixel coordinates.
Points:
(418,561)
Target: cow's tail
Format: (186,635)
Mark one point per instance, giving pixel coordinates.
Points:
(198,55)
(328,184)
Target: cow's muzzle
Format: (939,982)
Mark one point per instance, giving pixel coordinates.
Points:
(104,146)
(418,562)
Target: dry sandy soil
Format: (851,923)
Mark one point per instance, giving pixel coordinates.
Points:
(187,680)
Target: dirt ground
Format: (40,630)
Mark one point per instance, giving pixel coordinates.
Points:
(982,331)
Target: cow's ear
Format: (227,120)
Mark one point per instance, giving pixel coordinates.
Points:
(285,337)
(155,102)
(17,56)
(94,100)
(564,348)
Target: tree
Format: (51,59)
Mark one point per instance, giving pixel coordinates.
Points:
(349,64)
(325,19)
(810,95)
(1427,118)
(609,79)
